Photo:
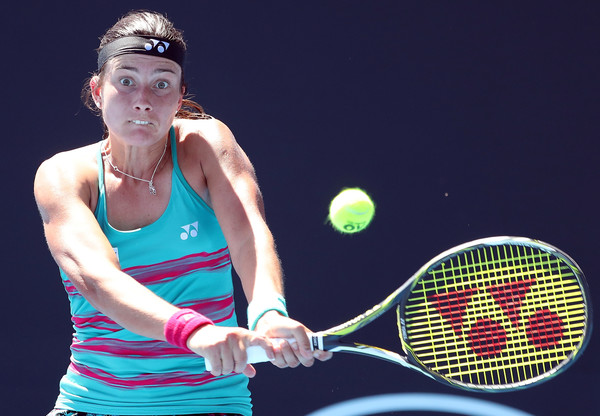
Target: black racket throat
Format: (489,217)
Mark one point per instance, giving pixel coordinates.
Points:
(334,343)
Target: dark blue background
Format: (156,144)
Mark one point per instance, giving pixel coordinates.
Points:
(463,119)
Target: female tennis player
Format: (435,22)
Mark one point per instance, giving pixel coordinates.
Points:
(145,226)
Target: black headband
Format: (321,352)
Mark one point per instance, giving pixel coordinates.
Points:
(145,45)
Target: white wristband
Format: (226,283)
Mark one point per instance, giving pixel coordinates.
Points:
(259,306)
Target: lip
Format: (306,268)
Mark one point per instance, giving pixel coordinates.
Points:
(140,122)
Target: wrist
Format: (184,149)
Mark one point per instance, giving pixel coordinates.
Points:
(260,306)
(267,320)
(182,324)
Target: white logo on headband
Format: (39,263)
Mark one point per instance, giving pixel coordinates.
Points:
(159,45)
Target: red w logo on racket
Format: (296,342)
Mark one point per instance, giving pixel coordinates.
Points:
(487,337)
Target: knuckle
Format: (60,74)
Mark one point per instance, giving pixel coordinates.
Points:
(227,369)
(308,363)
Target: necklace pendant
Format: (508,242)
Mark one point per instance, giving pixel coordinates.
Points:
(151,188)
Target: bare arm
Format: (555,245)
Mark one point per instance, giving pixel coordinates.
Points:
(63,193)
(62,190)
(238,204)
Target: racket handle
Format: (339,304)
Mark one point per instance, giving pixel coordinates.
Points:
(256,354)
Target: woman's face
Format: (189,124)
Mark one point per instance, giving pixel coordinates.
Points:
(139,97)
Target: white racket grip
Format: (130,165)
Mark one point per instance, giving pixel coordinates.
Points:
(256,354)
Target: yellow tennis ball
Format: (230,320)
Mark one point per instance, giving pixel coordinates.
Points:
(351,211)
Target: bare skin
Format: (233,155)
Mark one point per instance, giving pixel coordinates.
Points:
(139,97)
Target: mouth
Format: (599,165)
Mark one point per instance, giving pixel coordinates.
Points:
(140,122)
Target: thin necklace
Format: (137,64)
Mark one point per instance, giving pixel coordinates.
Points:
(151,187)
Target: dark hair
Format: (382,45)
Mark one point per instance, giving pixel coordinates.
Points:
(149,23)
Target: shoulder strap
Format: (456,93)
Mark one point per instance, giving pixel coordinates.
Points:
(100,211)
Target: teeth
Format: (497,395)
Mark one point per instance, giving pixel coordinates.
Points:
(140,122)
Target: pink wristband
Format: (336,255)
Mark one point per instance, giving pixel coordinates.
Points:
(180,326)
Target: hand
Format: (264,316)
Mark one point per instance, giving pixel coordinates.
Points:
(295,348)
(225,348)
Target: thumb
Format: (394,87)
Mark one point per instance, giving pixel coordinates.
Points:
(304,341)
(249,371)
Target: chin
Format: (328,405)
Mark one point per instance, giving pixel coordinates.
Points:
(137,136)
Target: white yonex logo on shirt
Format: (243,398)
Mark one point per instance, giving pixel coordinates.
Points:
(190,230)
(159,45)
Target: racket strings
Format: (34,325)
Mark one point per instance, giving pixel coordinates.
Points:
(496,315)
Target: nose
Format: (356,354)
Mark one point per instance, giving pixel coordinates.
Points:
(142,100)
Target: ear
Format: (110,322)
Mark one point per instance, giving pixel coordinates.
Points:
(180,102)
(95,89)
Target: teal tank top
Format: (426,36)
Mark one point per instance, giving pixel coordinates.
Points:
(182,257)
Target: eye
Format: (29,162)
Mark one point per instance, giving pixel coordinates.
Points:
(161,85)
(126,82)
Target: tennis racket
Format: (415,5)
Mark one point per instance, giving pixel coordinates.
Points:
(495,314)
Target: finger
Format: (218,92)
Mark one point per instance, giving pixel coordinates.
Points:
(278,359)
(322,355)
(228,361)
(215,364)
(305,357)
(249,371)
(265,344)
(303,343)
(240,357)
(289,354)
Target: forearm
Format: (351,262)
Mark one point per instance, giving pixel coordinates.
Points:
(130,304)
(87,258)
(257,264)
(92,267)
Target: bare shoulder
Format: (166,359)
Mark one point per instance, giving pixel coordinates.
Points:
(209,141)
(72,173)
(209,132)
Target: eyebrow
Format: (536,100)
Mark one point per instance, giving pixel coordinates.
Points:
(135,69)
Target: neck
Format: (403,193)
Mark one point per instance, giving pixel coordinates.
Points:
(141,162)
